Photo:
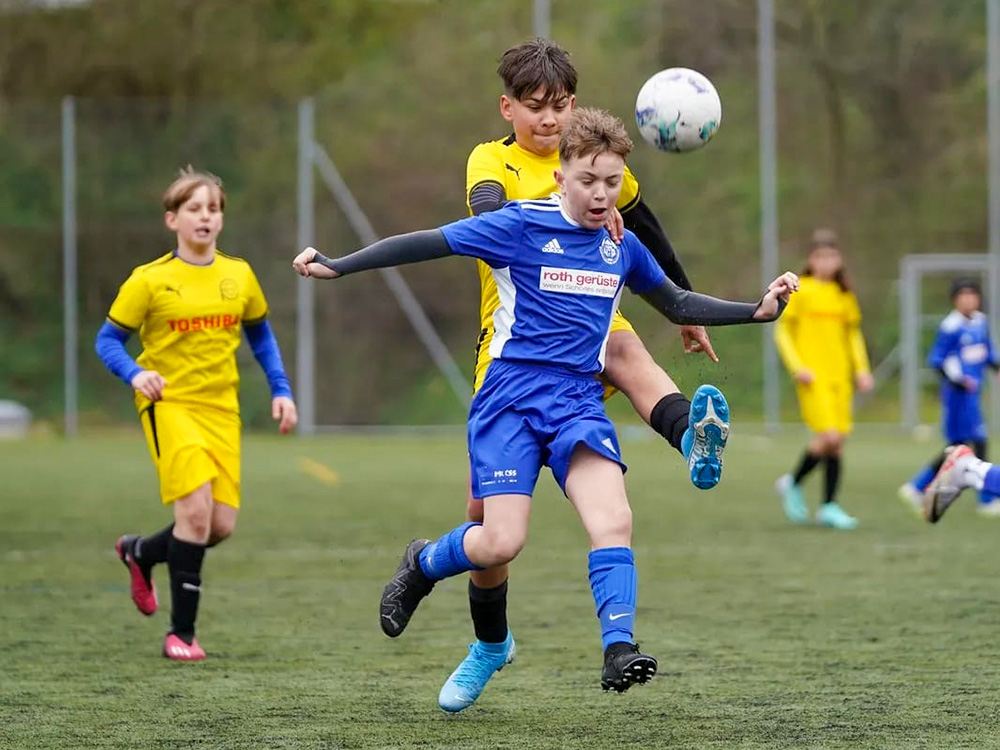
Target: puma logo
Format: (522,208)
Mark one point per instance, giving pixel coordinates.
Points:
(515,170)
(175,289)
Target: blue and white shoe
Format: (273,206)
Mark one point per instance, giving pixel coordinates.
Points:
(469,679)
(705,438)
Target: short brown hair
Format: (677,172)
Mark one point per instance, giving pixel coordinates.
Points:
(536,64)
(189,180)
(593,131)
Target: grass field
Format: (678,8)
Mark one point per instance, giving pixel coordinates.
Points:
(768,636)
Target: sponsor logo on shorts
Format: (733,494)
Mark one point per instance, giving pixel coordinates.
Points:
(569,281)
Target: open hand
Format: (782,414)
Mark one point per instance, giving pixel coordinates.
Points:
(150,384)
(284,411)
(305,265)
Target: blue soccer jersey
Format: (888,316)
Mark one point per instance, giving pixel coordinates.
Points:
(963,350)
(559,283)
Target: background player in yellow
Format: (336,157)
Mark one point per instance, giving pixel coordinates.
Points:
(539,95)
(189,307)
(820,341)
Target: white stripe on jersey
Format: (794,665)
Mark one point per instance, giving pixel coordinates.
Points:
(503,316)
(604,344)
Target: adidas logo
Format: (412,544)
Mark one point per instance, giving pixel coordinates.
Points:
(552,246)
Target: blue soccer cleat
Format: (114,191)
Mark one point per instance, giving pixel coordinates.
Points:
(705,438)
(470,677)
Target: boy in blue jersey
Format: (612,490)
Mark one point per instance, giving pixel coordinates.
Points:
(962,352)
(560,277)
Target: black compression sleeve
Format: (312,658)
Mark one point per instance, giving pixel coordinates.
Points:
(685,307)
(414,247)
(487,195)
(641,220)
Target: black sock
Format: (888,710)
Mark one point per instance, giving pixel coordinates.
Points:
(152,549)
(670,418)
(489,612)
(809,462)
(832,478)
(184,560)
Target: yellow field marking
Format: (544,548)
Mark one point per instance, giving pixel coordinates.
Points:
(319,472)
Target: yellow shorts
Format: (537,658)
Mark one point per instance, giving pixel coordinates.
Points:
(483,358)
(191,446)
(826,406)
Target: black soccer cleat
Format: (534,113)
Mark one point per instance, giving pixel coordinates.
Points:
(404,591)
(625,666)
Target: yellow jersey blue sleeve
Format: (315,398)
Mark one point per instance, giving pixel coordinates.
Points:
(128,311)
(256,305)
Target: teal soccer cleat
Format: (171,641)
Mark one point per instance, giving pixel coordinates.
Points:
(791,499)
(832,515)
(705,438)
(469,679)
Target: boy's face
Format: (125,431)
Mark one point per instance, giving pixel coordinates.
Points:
(967,301)
(538,123)
(590,186)
(198,220)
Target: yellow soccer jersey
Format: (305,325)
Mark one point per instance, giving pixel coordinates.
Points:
(189,320)
(820,330)
(523,176)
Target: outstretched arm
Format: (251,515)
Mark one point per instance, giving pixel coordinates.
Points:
(691,308)
(414,247)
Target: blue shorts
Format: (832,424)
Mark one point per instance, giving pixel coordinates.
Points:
(962,418)
(526,416)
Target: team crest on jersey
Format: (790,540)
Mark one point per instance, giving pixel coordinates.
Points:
(609,251)
(229,289)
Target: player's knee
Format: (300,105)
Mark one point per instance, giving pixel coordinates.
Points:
(221,530)
(618,525)
(503,545)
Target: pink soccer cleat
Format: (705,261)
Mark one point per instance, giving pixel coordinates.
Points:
(175,648)
(143,590)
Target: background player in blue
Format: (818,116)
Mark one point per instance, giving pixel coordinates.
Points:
(560,278)
(962,352)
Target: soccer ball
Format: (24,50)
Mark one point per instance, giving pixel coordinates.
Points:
(678,109)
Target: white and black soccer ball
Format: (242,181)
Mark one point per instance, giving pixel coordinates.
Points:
(678,109)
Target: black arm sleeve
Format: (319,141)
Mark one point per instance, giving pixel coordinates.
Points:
(486,196)
(685,307)
(640,220)
(414,247)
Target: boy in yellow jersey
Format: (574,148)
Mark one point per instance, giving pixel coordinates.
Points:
(189,307)
(820,341)
(539,95)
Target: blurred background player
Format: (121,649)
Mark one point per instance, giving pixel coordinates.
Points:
(189,307)
(961,353)
(540,402)
(820,341)
(539,88)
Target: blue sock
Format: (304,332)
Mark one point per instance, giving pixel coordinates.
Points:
(921,480)
(446,557)
(991,484)
(614,581)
